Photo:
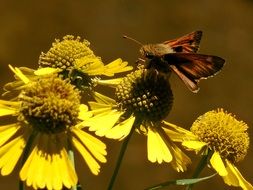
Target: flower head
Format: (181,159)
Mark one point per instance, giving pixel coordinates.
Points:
(227,139)
(145,94)
(75,60)
(143,100)
(48,113)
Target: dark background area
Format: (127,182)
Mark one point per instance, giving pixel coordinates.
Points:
(29,28)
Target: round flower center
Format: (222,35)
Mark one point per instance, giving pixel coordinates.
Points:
(63,54)
(50,105)
(223,133)
(72,56)
(145,93)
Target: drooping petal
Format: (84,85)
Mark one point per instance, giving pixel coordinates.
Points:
(121,130)
(103,99)
(110,82)
(103,122)
(13,86)
(8,107)
(7,131)
(7,111)
(99,108)
(94,145)
(48,165)
(10,153)
(19,74)
(116,66)
(218,164)
(46,71)
(194,145)
(235,178)
(180,159)
(91,162)
(90,65)
(84,112)
(157,148)
(176,133)
(6,103)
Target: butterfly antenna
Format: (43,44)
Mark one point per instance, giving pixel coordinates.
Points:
(132,39)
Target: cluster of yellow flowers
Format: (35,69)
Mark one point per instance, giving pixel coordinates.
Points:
(50,119)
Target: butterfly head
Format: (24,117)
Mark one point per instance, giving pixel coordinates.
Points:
(147,51)
(155,50)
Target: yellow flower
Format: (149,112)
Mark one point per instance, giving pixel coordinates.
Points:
(72,58)
(48,113)
(76,61)
(227,139)
(143,100)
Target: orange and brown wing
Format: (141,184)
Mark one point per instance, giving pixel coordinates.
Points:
(192,67)
(186,44)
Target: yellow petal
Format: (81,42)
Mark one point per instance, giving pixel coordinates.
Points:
(103,122)
(46,71)
(10,153)
(94,145)
(218,164)
(24,173)
(157,148)
(48,165)
(19,74)
(98,108)
(90,65)
(8,107)
(57,179)
(100,98)
(83,112)
(110,82)
(177,133)
(180,159)
(91,162)
(235,178)
(194,145)
(11,86)
(7,111)
(117,66)
(7,131)
(68,173)
(121,130)
(9,103)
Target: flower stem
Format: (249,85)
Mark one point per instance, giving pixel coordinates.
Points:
(120,158)
(202,164)
(25,155)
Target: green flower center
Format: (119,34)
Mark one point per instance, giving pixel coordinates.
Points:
(50,105)
(145,93)
(223,133)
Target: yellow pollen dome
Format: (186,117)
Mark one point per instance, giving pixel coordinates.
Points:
(63,54)
(223,133)
(50,105)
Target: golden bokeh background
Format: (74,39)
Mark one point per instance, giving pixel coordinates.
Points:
(29,27)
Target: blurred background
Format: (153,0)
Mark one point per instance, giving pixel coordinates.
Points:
(29,28)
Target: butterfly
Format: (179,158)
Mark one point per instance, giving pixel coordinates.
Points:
(180,56)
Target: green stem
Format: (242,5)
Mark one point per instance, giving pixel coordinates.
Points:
(26,154)
(202,164)
(120,158)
